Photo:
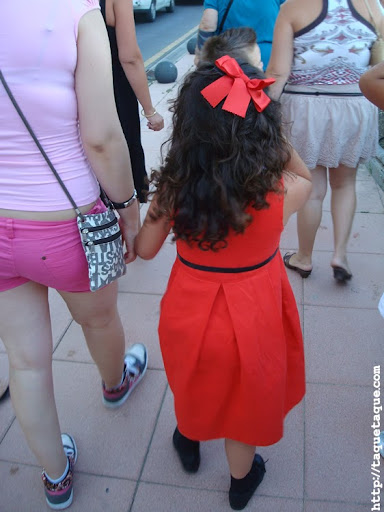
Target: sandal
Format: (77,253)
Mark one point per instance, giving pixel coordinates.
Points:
(304,273)
(341,275)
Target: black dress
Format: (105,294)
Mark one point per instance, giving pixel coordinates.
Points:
(128,110)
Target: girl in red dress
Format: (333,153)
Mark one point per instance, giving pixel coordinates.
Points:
(229,328)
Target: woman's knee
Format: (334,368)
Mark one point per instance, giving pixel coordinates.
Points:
(318,195)
(99,319)
(318,192)
(342,177)
(94,310)
(319,184)
(30,357)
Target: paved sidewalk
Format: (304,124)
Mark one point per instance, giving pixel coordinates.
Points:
(126,460)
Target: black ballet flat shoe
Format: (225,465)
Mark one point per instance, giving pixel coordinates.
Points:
(188,451)
(303,273)
(242,490)
(341,275)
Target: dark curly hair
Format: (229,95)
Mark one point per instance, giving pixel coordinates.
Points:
(217,164)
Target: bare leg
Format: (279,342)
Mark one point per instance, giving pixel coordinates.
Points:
(343,205)
(99,318)
(25,328)
(309,218)
(240,457)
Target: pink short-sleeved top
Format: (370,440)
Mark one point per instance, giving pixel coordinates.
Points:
(38,56)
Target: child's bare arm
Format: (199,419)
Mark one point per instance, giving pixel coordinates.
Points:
(151,235)
(297,166)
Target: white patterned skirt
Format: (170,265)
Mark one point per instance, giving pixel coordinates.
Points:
(330,130)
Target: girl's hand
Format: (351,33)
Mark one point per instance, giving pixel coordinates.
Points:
(130,224)
(156,122)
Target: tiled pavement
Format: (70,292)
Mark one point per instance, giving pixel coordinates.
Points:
(126,461)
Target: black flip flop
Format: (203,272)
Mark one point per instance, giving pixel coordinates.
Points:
(303,273)
(341,275)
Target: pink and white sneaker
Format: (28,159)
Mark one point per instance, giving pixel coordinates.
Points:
(60,495)
(136,361)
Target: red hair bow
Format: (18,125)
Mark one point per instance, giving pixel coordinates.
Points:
(237,87)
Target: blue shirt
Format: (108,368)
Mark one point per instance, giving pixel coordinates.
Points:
(258,14)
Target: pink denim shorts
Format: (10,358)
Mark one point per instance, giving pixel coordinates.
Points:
(46,252)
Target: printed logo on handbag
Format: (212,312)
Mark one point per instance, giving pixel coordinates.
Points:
(102,242)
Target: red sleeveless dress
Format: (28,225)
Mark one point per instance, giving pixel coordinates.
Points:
(231,342)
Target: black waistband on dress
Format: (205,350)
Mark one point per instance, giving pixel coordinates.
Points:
(319,93)
(226,270)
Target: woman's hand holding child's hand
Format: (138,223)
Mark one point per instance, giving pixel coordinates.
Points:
(156,122)
(130,225)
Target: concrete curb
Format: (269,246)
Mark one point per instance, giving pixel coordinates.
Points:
(376,168)
(173,54)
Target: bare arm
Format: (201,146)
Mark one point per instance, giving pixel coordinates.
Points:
(100,128)
(378,15)
(297,166)
(132,61)
(280,63)
(207,28)
(372,85)
(298,186)
(152,235)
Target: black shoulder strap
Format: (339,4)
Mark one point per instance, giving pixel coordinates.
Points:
(220,29)
(32,133)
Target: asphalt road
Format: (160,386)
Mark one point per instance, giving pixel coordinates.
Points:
(159,36)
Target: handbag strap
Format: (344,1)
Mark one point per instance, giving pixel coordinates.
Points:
(32,133)
(373,21)
(220,29)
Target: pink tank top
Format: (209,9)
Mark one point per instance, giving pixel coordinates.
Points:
(334,49)
(38,55)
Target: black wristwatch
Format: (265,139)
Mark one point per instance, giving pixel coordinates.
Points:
(125,204)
